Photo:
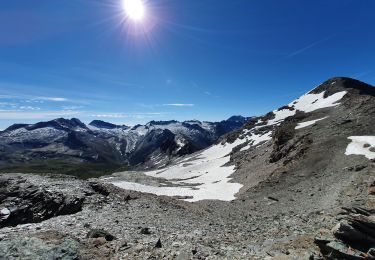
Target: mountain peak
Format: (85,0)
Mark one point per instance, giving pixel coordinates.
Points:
(15,127)
(105,125)
(161,122)
(338,84)
(56,123)
(237,118)
(73,122)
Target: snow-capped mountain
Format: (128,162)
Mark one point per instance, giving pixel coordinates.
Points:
(333,121)
(153,144)
(300,181)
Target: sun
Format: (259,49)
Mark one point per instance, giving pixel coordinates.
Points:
(135,10)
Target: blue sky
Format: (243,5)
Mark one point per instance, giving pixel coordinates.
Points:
(188,59)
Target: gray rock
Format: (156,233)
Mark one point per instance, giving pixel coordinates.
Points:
(25,202)
(145,231)
(97,233)
(158,244)
(4,214)
(37,249)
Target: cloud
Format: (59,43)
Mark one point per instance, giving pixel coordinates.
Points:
(302,50)
(5,97)
(127,115)
(97,74)
(210,94)
(12,90)
(179,105)
(29,108)
(53,99)
(71,107)
(17,114)
(110,115)
(9,106)
(4,104)
(29,98)
(362,74)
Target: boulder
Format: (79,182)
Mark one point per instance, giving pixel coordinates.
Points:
(22,201)
(99,233)
(37,249)
(353,238)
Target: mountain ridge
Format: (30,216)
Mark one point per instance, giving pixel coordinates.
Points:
(295,183)
(73,141)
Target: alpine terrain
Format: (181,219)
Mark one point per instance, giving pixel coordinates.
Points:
(296,183)
(70,146)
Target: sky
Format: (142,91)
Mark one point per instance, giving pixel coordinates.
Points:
(186,59)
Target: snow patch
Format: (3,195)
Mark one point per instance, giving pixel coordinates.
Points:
(307,103)
(361,145)
(201,177)
(160,191)
(47,134)
(308,123)
(311,102)
(180,143)
(257,139)
(5,212)
(280,115)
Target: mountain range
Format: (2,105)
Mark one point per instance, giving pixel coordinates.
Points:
(69,141)
(295,183)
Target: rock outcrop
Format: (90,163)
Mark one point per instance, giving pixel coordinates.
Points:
(353,237)
(23,201)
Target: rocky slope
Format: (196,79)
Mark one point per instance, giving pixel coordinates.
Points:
(64,142)
(297,183)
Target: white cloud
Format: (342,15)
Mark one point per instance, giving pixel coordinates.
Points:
(17,114)
(127,115)
(71,107)
(29,98)
(110,115)
(4,104)
(179,105)
(208,93)
(5,96)
(29,108)
(54,99)
(7,106)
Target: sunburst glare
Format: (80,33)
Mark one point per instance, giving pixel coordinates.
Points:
(135,10)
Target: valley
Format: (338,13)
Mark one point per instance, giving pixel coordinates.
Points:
(296,183)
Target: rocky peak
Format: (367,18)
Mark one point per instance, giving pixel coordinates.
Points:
(338,84)
(106,125)
(237,119)
(156,123)
(15,127)
(74,122)
(59,123)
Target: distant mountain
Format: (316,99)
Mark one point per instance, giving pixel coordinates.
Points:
(71,141)
(106,125)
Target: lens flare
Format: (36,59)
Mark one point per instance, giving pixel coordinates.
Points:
(134,9)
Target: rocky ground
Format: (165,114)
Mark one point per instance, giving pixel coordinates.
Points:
(118,224)
(302,198)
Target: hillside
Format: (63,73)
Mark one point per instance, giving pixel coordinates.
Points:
(296,183)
